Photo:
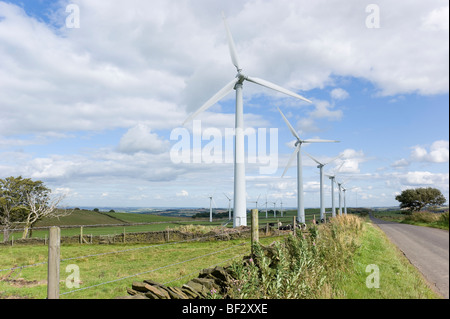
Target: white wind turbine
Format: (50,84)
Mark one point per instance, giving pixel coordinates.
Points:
(345,206)
(240,209)
(298,144)
(211,200)
(322,197)
(340,197)
(256,201)
(266,206)
(229,206)
(332,178)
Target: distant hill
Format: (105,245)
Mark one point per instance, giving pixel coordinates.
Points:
(90,217)
(80,217)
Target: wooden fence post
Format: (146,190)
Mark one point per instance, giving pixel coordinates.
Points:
(54,242)
(255,227)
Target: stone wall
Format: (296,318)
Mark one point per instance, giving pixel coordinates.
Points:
(145,237)
(208,282)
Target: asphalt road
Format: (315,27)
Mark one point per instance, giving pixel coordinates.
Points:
(425,247)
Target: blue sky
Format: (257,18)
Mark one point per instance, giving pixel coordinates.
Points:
(90,110)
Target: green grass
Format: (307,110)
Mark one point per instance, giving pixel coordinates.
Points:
(86,217)
(31,282)
(398,278)
(423,218)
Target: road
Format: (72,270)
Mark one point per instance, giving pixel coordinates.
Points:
(425,247)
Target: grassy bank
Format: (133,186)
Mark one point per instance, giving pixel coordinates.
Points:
(423,218)
(331,263)
(398,278)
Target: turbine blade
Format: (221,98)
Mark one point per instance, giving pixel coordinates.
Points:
(276,88)
(224,91)
(339,156)
(313,158)
(339,168)
(289,125)
(291,159)
(231,46)
(320,141)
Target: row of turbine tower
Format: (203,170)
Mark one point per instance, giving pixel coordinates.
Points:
(239,199)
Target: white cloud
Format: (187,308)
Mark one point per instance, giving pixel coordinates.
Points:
(420,178)
(339,94)
(438,153)
(437,20)
(135,60)
(400,163)
(183,193)
(140,138)
(350,160)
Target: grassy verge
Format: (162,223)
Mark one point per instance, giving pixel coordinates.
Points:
(331,263)
(398,278)
(427,219)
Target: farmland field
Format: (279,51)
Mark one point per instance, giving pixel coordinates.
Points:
(105,271)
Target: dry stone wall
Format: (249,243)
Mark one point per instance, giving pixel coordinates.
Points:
(208,282)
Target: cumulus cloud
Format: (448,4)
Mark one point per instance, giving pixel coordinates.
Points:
(183,193)
(419,178)
(438,153)
(350,160)
(437,20)
(121,66)
(400,163)
(140,139)
(339,94)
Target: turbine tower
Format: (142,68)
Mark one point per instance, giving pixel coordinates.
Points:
(297,151)
(240,208)
(210,207)
(340,197)
(229,206)
(322,197)
(332,178)
(345,206)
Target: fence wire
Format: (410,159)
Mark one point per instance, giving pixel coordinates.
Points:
(149,271)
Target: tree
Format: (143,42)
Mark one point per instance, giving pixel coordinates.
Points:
(13,208)
(417,199)
(42,205)
(24,201)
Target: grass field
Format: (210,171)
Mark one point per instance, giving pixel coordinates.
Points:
(150,222)
(114,267)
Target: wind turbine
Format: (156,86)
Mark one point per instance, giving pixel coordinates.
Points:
(281,207)
(274,209)
(266,206)
(211,200)
(297,151)
(229,206)
(345,206)
(340,195)
(256,201)
(332,178)
(322,197)
(240,209)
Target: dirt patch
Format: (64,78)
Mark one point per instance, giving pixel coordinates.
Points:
(21,282)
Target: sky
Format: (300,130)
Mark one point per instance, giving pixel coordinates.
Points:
(93,95)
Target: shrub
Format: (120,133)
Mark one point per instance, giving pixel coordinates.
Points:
(300,266)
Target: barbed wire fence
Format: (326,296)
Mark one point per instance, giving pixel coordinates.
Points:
(54,260)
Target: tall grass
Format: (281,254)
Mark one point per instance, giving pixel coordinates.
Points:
(300,266)
(438,220)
